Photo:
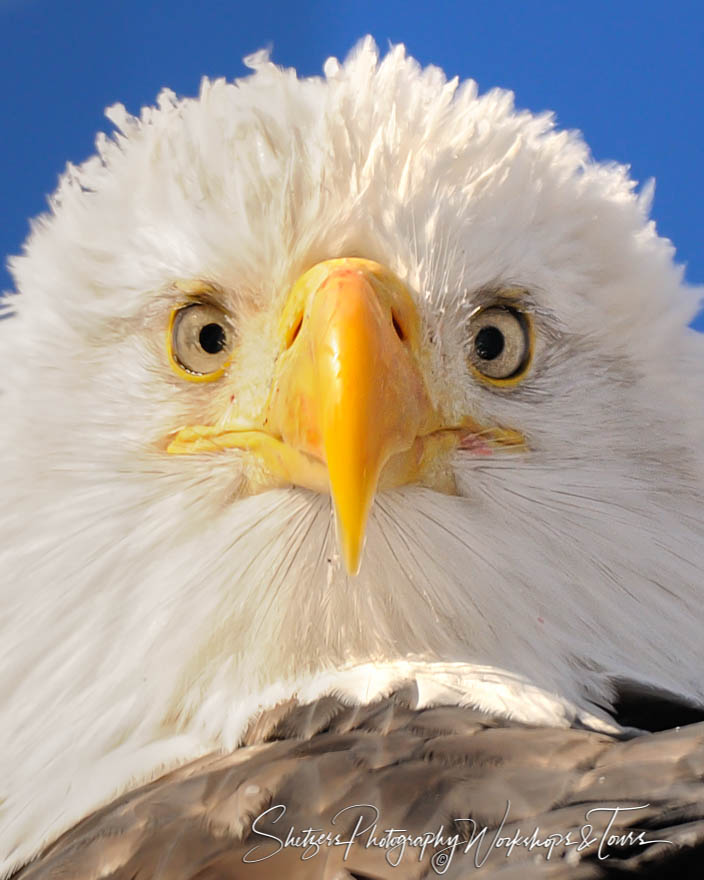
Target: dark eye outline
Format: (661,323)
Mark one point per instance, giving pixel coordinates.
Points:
(526,323)
(179,368)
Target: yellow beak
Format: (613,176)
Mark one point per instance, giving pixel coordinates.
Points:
(349,390)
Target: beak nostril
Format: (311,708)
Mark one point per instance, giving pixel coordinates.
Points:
(397,327)
(294,331)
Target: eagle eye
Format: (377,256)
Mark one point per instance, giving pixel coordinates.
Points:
(200,341)
(500,344)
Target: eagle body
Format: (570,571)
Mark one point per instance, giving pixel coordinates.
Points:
(183,553)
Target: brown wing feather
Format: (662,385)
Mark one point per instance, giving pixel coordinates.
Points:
(422,769)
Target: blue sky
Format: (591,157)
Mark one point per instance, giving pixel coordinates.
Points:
(629,74)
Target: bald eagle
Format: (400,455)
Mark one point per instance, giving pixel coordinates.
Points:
(352,483)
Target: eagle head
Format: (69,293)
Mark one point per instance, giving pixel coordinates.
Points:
(307,374)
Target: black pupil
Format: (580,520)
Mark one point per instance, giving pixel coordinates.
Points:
(212,338)
(489,343)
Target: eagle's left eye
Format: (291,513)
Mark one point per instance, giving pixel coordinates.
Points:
(200,341)
(500,344)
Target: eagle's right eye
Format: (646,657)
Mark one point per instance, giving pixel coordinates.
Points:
(200,341)
(500,344)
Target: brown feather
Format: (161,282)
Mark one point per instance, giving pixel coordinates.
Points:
(421,768)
